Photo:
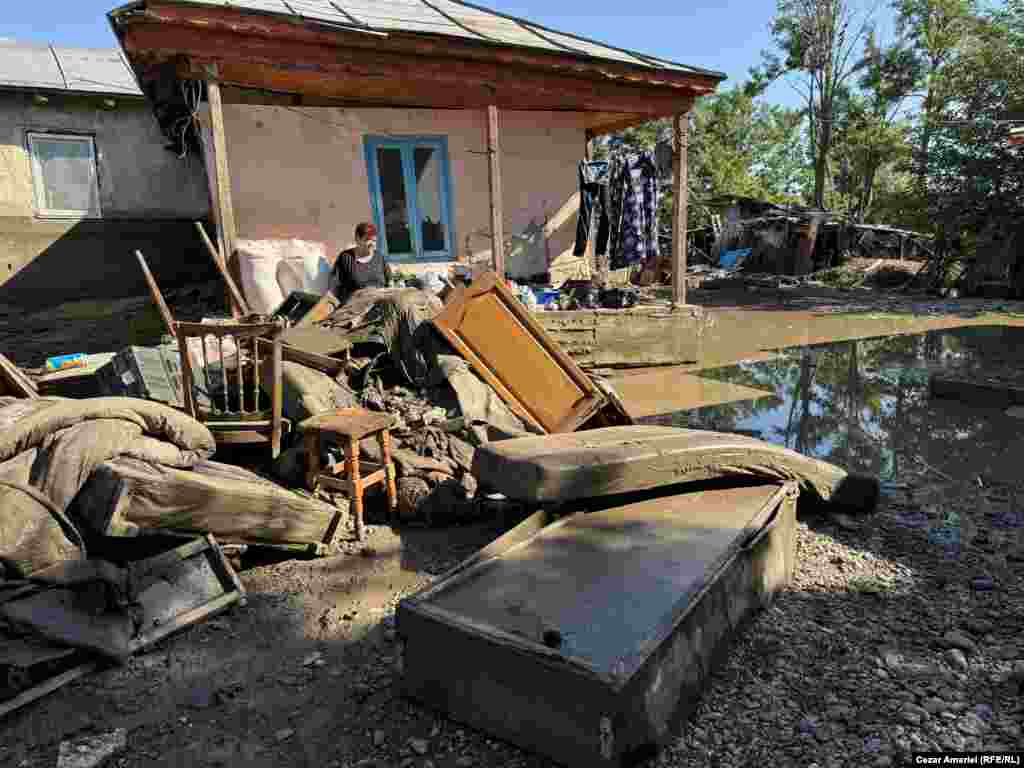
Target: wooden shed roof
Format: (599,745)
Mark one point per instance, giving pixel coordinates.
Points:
(430,53)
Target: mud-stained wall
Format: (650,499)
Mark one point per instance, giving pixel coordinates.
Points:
(301,172)
(148,199)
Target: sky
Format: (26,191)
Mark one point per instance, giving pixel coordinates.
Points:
(726,36)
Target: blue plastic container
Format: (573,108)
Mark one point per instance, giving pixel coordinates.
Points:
(63,362)
(546,296)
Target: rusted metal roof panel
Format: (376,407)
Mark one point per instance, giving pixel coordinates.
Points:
(29,65)
(96,70)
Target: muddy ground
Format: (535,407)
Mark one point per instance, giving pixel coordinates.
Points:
(854,665)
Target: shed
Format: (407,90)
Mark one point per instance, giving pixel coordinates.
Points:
(457,129)
(87,179)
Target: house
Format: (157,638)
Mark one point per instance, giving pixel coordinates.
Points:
(458,130)
(86,179)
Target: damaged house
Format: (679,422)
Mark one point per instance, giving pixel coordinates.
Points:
(87,178)
(457,130)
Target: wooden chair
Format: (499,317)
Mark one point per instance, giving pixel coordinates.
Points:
(350,425)
(230,421)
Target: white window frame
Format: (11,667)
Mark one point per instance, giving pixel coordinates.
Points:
(38,182)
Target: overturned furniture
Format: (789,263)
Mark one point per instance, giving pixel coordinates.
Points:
(589,630)
(590,638)
(224,367)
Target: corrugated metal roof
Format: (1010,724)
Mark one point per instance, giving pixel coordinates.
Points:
(75,70)
(27,65)
(96,70)
(454,18)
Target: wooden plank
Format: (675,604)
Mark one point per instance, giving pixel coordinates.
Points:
(48,686)
(276,399)
(494,187)
(221,264)
(154,290)
(680,207)
(14,382)
(417,47)
(513,353)
(329,365)
(225,210)
(284,65)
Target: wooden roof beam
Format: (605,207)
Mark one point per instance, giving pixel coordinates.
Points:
(386,77)
(242,23)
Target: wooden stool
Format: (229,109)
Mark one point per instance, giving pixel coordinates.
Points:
(351,425)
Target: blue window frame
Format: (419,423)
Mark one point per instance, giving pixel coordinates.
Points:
(410,192)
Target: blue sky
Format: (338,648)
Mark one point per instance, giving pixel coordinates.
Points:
(725,36)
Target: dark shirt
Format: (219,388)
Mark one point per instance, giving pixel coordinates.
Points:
(352,275)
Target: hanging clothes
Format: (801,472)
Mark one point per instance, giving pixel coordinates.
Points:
(633,199)
(593,180)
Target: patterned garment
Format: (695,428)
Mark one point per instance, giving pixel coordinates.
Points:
(634,205)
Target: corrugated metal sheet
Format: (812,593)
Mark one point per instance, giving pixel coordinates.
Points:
(96,70)
(403,15)
(448,17)
(26,65)
(76,70)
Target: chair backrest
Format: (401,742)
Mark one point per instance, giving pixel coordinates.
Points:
(232,344)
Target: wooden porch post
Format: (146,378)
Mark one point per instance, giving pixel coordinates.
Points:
(494,182)
(225,211)
(680,207)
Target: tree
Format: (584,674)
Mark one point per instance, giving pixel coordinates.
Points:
(819,40)
(738,145)
(870,134)
(935,31)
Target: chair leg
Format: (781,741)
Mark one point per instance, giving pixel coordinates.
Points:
(311,442)
(355,485)
(384,440)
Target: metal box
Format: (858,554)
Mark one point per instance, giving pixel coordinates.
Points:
(590,638)
(152,373)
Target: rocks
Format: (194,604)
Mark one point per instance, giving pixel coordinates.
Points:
(284,734)
(971,725)
(956,659)
(934,706)
(912,714)
(956,639)
(411,493)
(419,746)
(91,751)
(379,737)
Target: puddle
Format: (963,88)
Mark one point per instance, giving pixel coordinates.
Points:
(865,405)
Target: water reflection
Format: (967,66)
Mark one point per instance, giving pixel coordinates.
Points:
(865,404)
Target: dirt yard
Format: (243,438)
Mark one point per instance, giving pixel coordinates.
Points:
(885,643)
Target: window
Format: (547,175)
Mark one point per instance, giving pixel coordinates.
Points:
(411,197)
(64,175)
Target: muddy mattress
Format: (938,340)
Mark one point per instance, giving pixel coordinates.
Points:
(588,637)
(613,460)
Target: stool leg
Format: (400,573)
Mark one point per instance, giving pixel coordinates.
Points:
(355,485)
(311,441)
(384,440)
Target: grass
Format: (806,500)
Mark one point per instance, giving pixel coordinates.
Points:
(872,585)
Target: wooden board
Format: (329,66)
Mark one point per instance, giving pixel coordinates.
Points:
(13,382)
(589,639)
(179,588)
(513,353)
(230,502)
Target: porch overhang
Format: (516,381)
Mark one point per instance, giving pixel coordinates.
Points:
(348,65)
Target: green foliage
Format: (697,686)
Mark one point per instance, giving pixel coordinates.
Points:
(910,132)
